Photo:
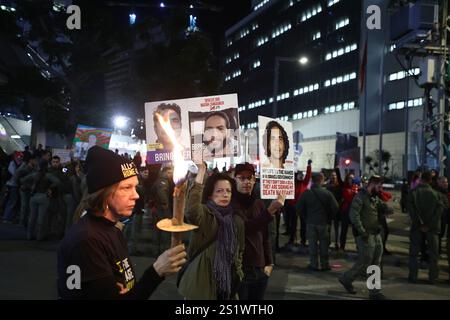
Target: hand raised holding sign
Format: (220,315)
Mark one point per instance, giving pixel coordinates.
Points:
(277,204)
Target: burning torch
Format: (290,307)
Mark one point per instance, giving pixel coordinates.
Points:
(176,225)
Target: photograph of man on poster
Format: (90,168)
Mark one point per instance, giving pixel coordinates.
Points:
(218,135)
(173,113)
(276,145)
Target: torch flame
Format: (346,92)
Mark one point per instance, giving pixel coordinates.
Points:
(180,167)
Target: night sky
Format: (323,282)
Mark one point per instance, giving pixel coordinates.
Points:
(213,16)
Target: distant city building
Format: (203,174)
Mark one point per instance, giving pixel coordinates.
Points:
(322,95)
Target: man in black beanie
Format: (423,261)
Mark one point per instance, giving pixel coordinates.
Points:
(93,260)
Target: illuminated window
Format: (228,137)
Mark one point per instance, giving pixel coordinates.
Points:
(332,2)
(262,40)
(341,23)
(260,5)
(316,35)
(281,29)
(340,51)
(311,12)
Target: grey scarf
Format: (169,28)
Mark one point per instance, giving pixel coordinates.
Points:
(226,245)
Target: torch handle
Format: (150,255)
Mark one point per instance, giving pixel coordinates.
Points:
(179,195)
(177,239)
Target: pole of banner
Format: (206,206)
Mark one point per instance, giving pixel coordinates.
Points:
(442,97)
(380,120)
(406,116)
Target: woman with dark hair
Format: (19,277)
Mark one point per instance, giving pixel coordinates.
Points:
(95,245)
(276,145)
(216,247)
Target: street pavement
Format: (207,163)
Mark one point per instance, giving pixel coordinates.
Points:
(28,269)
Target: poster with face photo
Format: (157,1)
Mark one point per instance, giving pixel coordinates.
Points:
(206,128)
(87,137)
(276,154)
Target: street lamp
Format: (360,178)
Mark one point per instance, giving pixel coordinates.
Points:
(120,122)
(302,60)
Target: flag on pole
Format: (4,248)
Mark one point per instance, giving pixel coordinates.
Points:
(362,69)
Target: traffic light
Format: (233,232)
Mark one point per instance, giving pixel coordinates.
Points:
(347,162)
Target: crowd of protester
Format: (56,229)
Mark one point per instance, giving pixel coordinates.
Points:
(232,253)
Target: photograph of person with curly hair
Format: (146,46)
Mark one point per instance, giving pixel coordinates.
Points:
(275,143)
(277,158)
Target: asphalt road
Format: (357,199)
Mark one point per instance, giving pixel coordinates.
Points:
(28,270)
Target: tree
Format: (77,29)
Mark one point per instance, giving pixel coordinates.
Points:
(368,160)
(385,159)
(179,66)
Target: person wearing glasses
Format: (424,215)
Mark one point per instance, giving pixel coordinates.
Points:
(214,270)
(257,260)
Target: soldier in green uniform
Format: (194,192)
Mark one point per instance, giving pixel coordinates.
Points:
(365,213)
(445,197)
(425,208)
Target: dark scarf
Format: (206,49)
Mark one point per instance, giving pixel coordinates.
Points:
(244,200)
(226,246)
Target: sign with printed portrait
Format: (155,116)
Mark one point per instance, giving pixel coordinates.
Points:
(276,154)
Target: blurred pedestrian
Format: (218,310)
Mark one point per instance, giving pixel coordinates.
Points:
(426,208)
(319,208)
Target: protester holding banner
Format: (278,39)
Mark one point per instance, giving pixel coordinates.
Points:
(217,246)
(96,245)
(257,260)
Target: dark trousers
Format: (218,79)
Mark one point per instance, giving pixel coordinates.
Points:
(291,222)
(344,221)
(384,232)
(277,231)
(289,217)
(254,284)
(442,233)
(431,239)
(11,205)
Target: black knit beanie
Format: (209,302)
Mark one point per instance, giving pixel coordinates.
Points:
(105,168)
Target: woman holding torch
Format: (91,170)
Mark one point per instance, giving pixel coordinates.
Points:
(217,246)
(93,260)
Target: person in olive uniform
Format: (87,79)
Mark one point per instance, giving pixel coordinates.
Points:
(444,193)
(425,207)
(365,212)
